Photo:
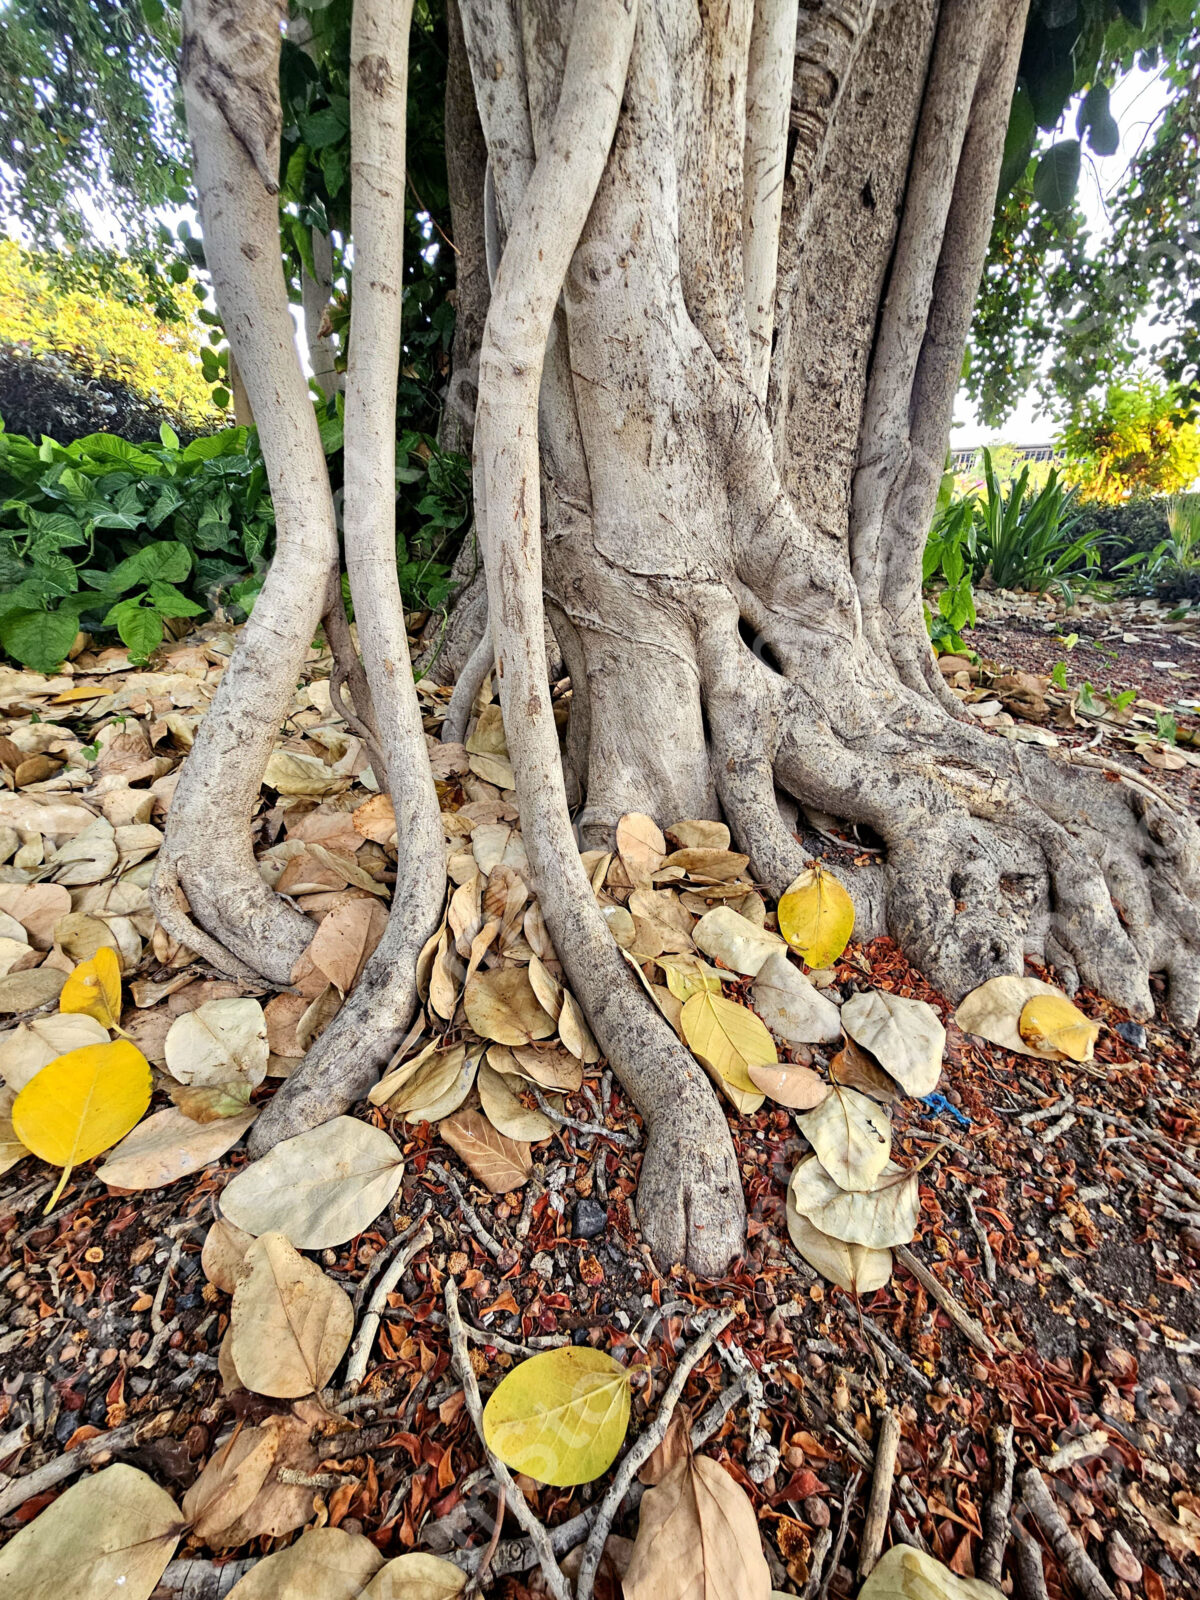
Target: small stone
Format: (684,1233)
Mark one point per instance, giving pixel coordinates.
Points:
(1133,1034)
(816,1511)
(542,1264)
(591,1218)
(1121,1559)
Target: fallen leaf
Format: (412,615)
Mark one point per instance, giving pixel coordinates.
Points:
(697,1538)
(852,1137)
(640,845)
(498,1162)
(993,1012)
(699,835)
(416,1576)
(438,1085)
(238,1496)
(88,857)
(905,1036)
(879,1218)
(550,1067)
(223,1252)
(81,1104)
(34,1044)
(734,940)
(560,1416)
(168,1146)
(674,1447)
(290,1324)
(38,907)
(291,772)
(816,917)
(94,989)
(11,1148)
(798,1087)
(375,819)
(80,937)
(853,1267)
(908,1574)
(574,1031)
(688,975)
(502,1006)
(854,1069)
(323,1564)
(707,865)
(728,1039)
(112,1533)
(210,1102)
(506,1112)
(320,1188)
(793,1008)
(1051,1022)
(26,991)
(1182,1536)
(218,1042)
(345,941)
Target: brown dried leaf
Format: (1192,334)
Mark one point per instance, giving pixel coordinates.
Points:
(498,1162)
(501,1006)
(641,846)
(697,1539)
(290,1323)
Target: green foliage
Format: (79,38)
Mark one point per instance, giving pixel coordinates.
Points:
(1133,440)
(950,560)
(1169,568)
(1030,541)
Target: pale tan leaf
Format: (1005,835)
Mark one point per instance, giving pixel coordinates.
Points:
(697,1539)
(498,1162)
(993,1012)
(375,819)
(109,1534)
(223,1252)
(661,923)
(879,1217)
(675,1446)
(37,907)
(908,1574)
(798,1087)
(501,1006)
(345,941)
(291,1324)
(506,1112)
(416,1576)
(905,1036)
(88,857)
(792,1007)
(323,1564)
(238,1496)
(852,1267)
(36,1043)
(291,772)
(493,843)
(641,846)
(219,1041)
(281,1014)
(734,941)
(422,1104)
(699,835)
(852,1137)
(546,987)
(212,1102)
(464,914)
(320,1188)
(445,976)
(11,1148)
(25,991)
(550,1066)
(709,866)
(169,1145)
(319,1013)
(574,1031)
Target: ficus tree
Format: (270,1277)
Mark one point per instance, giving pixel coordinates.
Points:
(728,258)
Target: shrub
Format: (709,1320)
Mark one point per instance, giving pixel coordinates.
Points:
(1137,439)
(1030,541)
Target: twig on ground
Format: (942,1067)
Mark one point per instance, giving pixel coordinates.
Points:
(384,1256)
(1029,1566)
(962,1319)
(906,1535)
(364,1339)
(160,1294)
(64,1466)
(999,1506)
(901,1357)
(555,1577)
(1078,1565)
(816,1563)
(470,1215)
(871,1546)
(625,1140)
(977,1228)
(848,1499)
(484,1570)
(639,1453)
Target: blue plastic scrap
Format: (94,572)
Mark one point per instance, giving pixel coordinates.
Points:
(935,1104)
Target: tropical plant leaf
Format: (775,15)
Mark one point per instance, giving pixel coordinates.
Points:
(502,1006)
(93,989)
(993,1011)
(728,1039)
(323,1564)
(905,1036)
(726,936)
(320,1188)
(506,1112)
(416,1576)
(500,1163)
(798,1087)
(223,1252)
(218,1042)
(853,1267)
(238,1496)
(561,1416)
(82,1103)
(11,1148)
(112,1533)
(290,1324)
(791,1006)
(816,917)
(641,846)
(852,1137)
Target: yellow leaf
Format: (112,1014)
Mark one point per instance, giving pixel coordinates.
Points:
(560,1416)
(816,917)
(728,1038)
(94,988)
(81,1104)
(688,975)
(1051,1022)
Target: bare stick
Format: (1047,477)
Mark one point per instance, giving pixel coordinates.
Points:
(625,1140)
(885,1341)
(640,1452)
(470,1215)
(1080,1568)
(64,1466)
(1029,1567)
(962,1319)
(364,1339)
(881,1494)
(999,1506)
(848,1499)
(817,1563)
(201,1580)
(555,1577)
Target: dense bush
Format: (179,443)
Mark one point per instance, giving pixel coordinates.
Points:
(52,395)
(109,536)
(1131,526)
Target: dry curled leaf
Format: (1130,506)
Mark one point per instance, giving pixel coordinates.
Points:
(238,1496)
(734,940)
(697,1539)
(853,1267)
(798,1087)
(905,1036)
(879,1218)
(223,1252)
(500,1163)
(290,1323)
(506,1112)
(641,846)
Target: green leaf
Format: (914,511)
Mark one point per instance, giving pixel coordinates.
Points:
(1018,141)
(38,639)
(323,127)
(140,630)
(1057,176)
(169,601)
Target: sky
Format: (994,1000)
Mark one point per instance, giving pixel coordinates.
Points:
(1137,99)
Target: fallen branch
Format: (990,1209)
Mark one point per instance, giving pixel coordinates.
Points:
(999,1507)
(470,1215)
(962,1319)
(364,1339)
(871,1547)
(640,1452)
(889,1346)
(128,1436)
(1029,1567)
(848,1499)
(1078,1565)
(556,1579)
(625,1140)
